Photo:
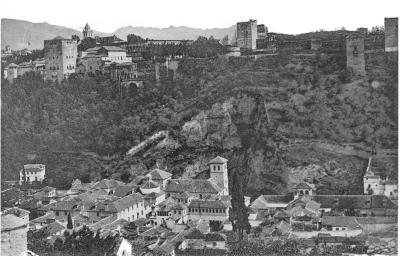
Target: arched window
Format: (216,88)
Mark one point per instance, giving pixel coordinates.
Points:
(306,192)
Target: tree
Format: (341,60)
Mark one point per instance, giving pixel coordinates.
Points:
(238,212)
(75,37)
(69,224)
(132,38)
(87,43)
(225,40)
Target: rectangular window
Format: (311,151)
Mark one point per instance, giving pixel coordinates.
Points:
(337,228)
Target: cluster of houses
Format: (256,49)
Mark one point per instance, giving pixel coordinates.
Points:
(166,214)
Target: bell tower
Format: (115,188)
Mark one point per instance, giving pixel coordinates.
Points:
(87,31)
(219,172)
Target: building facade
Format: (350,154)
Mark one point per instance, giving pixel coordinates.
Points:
(32,172)
(219,172)
(391,34)
(355,53)
(14,229)
(247,34)
(60,56)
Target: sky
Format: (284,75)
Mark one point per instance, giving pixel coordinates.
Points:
(283,16)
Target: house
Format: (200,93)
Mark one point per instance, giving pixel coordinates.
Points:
(123,248)
(375,185)
(265,202)
(169,209)
(130,207)
(159,176)
(32,172)
(357,205)
(301,189)
(14,229)
(107,184)
(339,223)
(42,221)
(209,210)
(197,188)
(372,224)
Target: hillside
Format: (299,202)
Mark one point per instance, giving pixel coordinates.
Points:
(18,33)
(278,120)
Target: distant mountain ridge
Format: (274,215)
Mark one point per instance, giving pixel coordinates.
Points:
(17,33)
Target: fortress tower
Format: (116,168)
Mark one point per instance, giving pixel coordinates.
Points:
(247,34)
(219,172)
(355,52)
(87,31)
(391,34)
(60,57)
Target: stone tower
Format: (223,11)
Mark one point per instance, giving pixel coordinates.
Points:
(219,172)
(247,34)
(355,53)
(60,57)
(87,31)
(391,34)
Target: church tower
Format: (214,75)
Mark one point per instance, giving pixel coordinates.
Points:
(87,31)
(219,172)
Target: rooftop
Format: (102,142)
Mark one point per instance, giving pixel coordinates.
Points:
(158,174)
(218,160)
(192,186)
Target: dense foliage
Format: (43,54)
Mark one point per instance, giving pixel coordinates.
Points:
(83,242)
(315,98)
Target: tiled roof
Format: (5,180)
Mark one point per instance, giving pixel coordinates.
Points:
(67,206)
(281,214)
(340,221)
(192,186)
(313,206)
(218,160)
(284,226)
(103,222)
(195,234)
(215,236)
(12,65)
(154,231)
(107,184)
(54,227)
(354,201)
(48,189)
(44,218)
(173,206)
(302,185)
(158,174)
(113,49)
(376,220)
(123,190)
(149,185)
(141,222)
(120,223)
(392,182)
(125,202)
(175,217)
(262,201)
(210,204)
(138,180)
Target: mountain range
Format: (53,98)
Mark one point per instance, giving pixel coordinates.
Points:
(17,33)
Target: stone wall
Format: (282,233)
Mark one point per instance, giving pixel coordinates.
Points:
(13,242)
(60,58)
(355,54)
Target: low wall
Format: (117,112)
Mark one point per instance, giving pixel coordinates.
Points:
(343,233)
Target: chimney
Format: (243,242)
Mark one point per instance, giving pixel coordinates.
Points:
(137,230)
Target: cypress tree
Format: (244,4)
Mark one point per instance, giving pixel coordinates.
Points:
(69,225)
(238,212)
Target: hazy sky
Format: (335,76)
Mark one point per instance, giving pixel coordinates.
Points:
(294,16)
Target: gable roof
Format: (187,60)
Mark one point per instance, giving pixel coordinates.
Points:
(125,202)
(107,184)
(281,214)
(354,201)
(302,185)
(192,186)
(262,201)
(195,234)
(215,236)
(158,174)
(218,160)
(123,190)
(150,184)
(340,221)
(210,204)
(113,48)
